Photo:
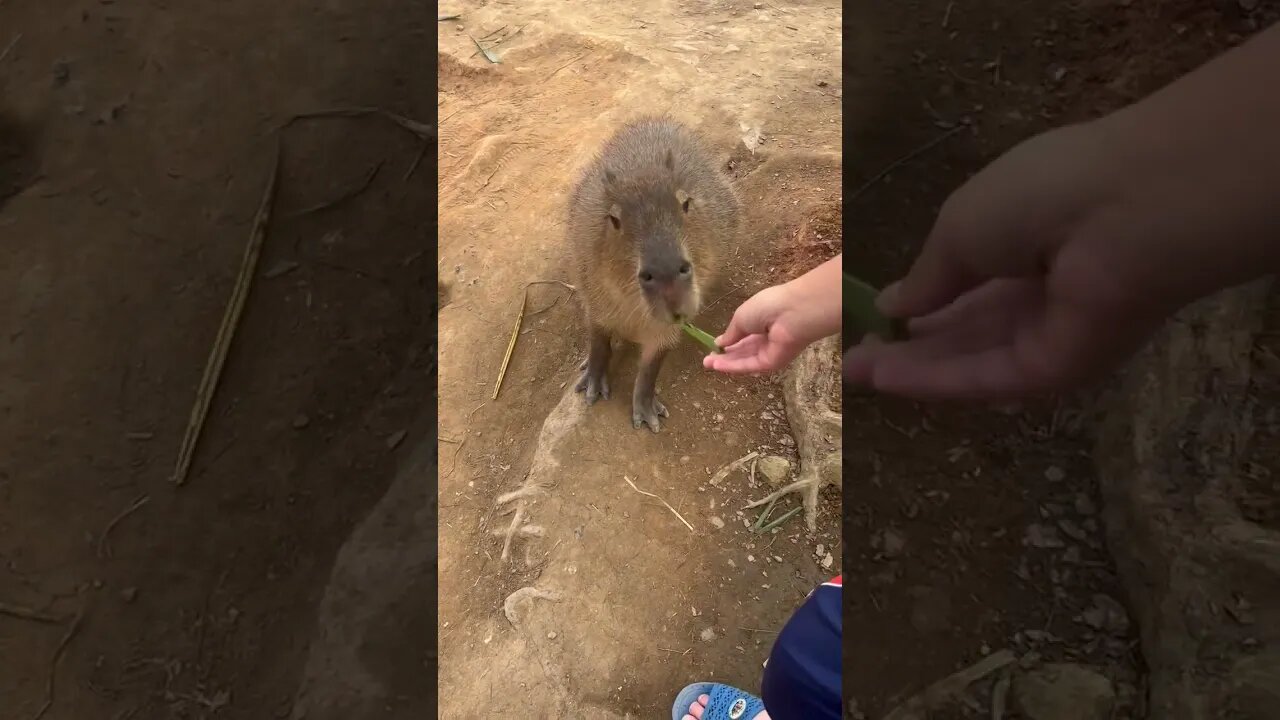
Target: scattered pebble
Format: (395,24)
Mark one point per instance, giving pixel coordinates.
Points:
(828,561)
(300,421)
(708,635)
(1085,505)
(396,438)
(717,522)
(1106,615)
(1072,530)
(129,594)
(1043,536)
(551,635)
(283,267)
(893,543)
(775,468)
(1055,474)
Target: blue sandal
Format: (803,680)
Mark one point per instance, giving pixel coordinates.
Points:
(727,703)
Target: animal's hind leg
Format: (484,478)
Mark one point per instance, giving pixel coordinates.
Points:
(594,383)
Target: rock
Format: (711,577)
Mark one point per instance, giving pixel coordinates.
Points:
(1106,615)
(708,635)
(827,561)
(129,594)
(1055,474)
(300,421)
(776,469)
(1072,530)
(717,522)
(892,543)
(1043,536)
(1063,691)
(1085,505)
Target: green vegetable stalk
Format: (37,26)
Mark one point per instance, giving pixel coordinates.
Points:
(708,341)
(860,317)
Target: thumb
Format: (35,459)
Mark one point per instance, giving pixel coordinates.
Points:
(934,281)
(749,319)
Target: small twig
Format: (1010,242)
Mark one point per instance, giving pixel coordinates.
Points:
(515,331)
(422,130)
(902,161)
(1000,695)
(53,664)
(723,472)
(25,613)
(417,160)
(511,345)
(677,652)
(104,548)
(8,48)
(758,630)
(919,706)
(342,197)
(664,502)
(946,16)
(230,320)
(557,70)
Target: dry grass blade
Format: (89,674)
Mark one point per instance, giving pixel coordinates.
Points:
(487,55)
(664,502)
(9,48)
(515,331)
(104,548)
(53,664)
(723,472)
(230,320)
(511,345)
(900,162)
(25,613)
(342,197)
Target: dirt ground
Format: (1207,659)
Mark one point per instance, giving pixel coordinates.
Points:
(969,531)
(135,143)
(643,605)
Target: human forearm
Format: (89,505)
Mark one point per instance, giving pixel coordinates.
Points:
(818,293)
(1196,172)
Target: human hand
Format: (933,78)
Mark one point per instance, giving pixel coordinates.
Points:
(770,329)
(1063,255)
(1025,284)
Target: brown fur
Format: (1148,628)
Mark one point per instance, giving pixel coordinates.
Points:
(604,260)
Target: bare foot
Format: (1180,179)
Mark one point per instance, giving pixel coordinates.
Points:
(699,707)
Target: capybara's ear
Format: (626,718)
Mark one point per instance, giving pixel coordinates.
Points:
(685,201)
(615,216)
(671,160)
